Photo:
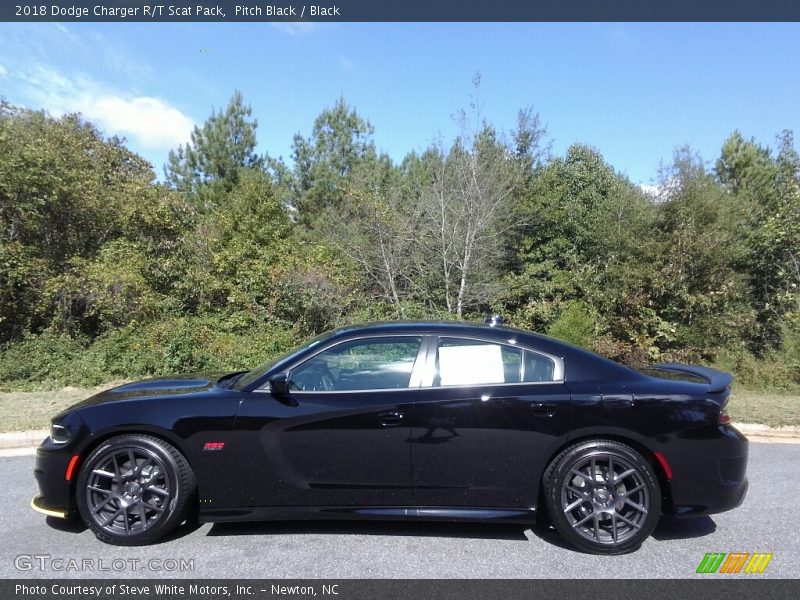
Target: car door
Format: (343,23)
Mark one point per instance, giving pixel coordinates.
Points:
(340,438)
(487,418)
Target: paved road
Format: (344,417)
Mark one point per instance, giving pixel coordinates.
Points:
(766,522)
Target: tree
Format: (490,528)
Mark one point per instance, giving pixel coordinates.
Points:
(375,227)
(225,260)
(744,165)
(766,189)
(581,253)
(466,207)
(700,280)
(212,162)
(339,141)
(65,192)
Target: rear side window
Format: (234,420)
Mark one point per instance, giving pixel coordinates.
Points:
(538,367)
(475,362)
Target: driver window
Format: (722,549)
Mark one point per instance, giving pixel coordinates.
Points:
(369,364)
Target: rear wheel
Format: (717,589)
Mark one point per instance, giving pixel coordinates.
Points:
(602,497)
(134,489)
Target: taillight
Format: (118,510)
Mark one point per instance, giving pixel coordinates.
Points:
(724,417)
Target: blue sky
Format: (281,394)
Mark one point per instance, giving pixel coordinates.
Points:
(635,91)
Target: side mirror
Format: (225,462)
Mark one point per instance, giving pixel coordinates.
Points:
(279,388)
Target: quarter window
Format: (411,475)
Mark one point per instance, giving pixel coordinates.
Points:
(369,364)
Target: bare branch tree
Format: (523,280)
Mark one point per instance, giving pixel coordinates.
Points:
(467,204)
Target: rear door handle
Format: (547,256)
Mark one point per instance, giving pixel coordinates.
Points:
(543,409)
(390,419)
(617,400)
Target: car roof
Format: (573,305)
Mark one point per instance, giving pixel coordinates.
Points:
(468,328)
(437,327)
(581,363)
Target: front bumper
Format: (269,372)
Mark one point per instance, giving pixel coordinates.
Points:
(54,498)
(37,504)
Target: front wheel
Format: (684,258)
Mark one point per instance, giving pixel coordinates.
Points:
(134,489)
(602,497)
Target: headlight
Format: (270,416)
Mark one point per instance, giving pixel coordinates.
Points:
(59,434)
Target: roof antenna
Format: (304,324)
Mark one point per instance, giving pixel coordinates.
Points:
(494,320)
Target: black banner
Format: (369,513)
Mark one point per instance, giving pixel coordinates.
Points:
(407,10)
(394,589)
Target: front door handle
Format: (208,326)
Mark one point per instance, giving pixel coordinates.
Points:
(543,409)
(390,419)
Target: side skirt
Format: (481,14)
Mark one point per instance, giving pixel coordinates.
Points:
(376,513)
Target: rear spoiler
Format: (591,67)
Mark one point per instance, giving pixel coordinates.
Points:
(718,381)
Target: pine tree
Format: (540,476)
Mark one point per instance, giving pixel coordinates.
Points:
(340,140)
(210,164)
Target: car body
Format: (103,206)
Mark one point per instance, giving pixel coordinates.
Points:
(404,420)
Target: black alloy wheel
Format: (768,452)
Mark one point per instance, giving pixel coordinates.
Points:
(603,497)
(134,489)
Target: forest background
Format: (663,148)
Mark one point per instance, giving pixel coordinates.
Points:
(108,273)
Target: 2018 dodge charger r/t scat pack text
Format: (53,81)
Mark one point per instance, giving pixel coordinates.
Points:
(405,420)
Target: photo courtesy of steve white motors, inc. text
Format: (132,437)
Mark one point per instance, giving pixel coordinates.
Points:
(158,11)
(170,589)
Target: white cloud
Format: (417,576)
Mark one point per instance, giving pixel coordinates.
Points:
(346,63)
(3,71)
(662,192)
(296,28)
(117,59)
(151,122)
(154,123)
(67,34)
(651,190)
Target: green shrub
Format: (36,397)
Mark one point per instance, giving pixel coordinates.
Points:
(771,372)
(184,344)
(575,325)
(39,361)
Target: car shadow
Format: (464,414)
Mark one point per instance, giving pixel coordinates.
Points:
(670,528)
(547,533)
(182,530)
(76,525)
(71,525)
(493,531)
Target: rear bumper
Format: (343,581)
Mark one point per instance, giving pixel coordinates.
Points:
(722,499)
(709,472)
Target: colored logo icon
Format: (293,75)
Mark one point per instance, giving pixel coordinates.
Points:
(734,562)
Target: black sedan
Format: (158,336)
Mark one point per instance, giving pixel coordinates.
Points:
(404,420)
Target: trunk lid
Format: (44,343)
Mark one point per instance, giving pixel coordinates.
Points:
(718,381)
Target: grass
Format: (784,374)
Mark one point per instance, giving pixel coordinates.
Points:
(20,411)
(773,408)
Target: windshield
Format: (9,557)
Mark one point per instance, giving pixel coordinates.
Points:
(248,378)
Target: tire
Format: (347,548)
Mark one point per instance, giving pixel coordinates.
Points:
(134,489)
(610,512)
